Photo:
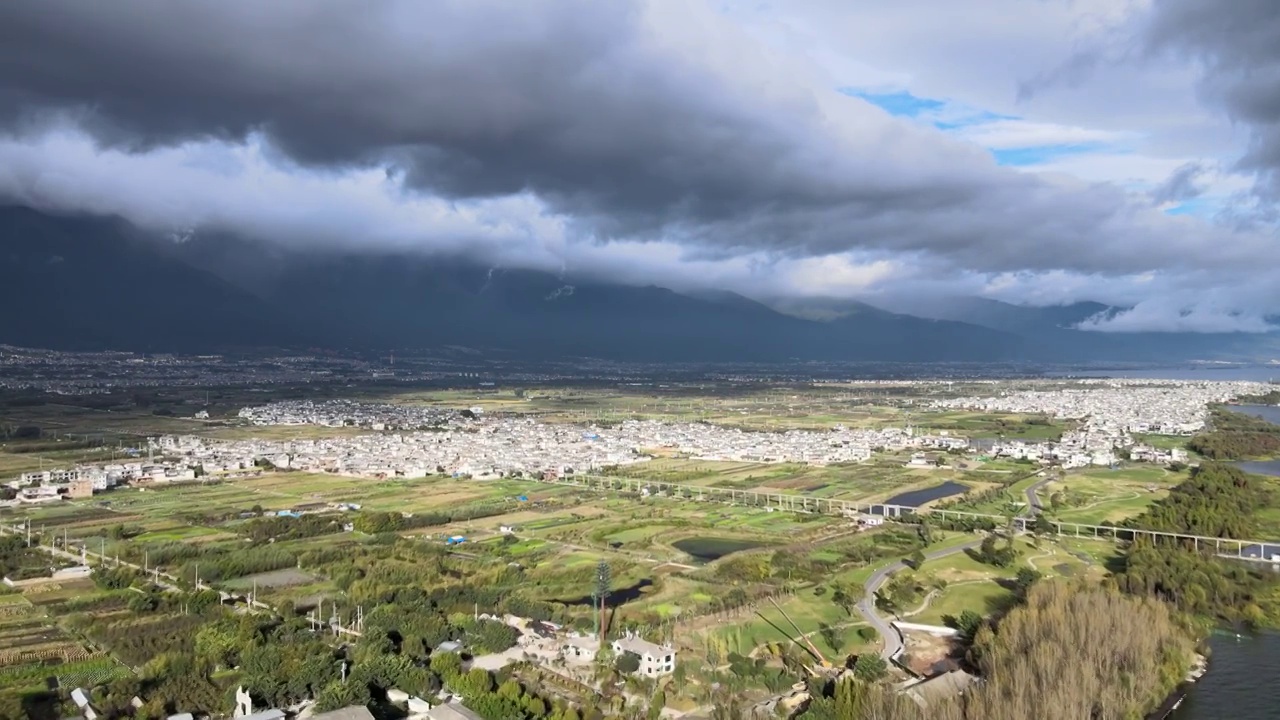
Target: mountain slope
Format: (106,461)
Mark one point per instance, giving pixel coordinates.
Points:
(78,282)
(381,301)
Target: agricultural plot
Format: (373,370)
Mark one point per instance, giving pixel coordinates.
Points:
(35,652)
(862,482)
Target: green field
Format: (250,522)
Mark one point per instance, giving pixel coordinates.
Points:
(1095,496)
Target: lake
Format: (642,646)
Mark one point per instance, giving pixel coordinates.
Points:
(1237,373)
(916,498)
(1240,683)
(1270,413)
(708,549)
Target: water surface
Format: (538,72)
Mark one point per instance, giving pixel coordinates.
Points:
(1270,413)
(1241,682)
(708,549)
(916,498)
(1239,373)
(616,597)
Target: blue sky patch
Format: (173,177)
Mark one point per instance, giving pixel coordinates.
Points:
(902,104)
(1194,206)
(1020,157)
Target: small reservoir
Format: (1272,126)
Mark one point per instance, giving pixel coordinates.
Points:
(708,549)
(916,498)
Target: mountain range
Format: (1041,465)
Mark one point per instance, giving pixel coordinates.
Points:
(89,283)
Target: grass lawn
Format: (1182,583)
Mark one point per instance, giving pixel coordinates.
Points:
(979,596)
(1100,495)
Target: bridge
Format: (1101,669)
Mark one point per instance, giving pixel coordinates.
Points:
(1251,550)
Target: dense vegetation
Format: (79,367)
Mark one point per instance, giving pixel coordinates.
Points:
(1217,500)
(17,562)
(1035,664)
(185,645)
(1235,436)
(291,528)
(382,522)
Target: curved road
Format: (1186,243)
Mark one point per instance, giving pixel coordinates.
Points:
(893,646)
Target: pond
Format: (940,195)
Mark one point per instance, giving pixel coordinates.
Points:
(707,549)
(617,596)
(916,498)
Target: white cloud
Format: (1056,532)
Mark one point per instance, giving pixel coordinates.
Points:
(1008,134)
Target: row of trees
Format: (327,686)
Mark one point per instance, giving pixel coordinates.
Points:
(385,522)
(289,528)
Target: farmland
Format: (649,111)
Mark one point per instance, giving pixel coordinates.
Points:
(37,653)
(702,575)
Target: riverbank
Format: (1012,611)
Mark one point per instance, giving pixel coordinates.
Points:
(1166,709)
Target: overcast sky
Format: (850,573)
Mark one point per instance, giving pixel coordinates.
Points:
(1038,151)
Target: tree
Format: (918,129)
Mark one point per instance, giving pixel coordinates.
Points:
(966,625)
(1025,578)
(831,635)
(446,665)
(848,595)
(337,695)
(925,532)
(656,703)
(627,663)
(1042,525)
(870,667)
(916,560)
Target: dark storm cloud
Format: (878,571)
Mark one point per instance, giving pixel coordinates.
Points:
(1239,43)
(632,120)
(573,100)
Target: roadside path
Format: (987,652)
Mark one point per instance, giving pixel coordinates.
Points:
(893,642)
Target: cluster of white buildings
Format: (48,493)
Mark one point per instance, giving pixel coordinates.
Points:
(509,446)
(548,642)
(39,486)
(347,413)
(107,476)
(1116,407)
(1110,412)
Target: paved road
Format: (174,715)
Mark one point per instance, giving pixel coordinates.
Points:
(893,646)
